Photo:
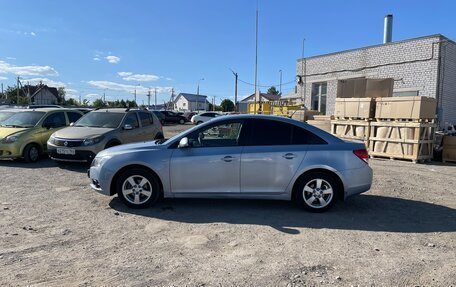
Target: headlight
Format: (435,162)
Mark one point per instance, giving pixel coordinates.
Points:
(51,139)
(10,139)
(98,161)
(92,141)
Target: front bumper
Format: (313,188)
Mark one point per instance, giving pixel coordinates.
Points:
(95,183)
(12,150)
(82,153)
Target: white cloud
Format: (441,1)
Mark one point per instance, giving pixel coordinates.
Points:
(93,95)
(124,74)
(126,88)
(10,58)
(96,59)
(33,70)
(112,59)
(32,33)
(45,81)
(3,78)
(141,78)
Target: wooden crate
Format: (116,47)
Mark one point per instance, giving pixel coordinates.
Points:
(402,140)
(321,124)
(449,149)
(352,130)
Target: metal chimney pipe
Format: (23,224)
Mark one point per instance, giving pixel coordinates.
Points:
(388,29)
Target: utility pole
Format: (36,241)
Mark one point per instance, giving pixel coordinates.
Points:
(198,93)
(155,97)
(148,99)
(235,90)
(213,103)
(135,94)
(280,85)
(17,90)
(256,62)
(303,74)
(2,89)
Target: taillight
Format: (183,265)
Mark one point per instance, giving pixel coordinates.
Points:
(362,154)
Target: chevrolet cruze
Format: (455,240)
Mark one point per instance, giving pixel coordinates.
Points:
(240,156)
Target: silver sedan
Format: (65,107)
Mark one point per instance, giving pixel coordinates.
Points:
(240,156)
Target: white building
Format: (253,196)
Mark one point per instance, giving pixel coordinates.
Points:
(424,66)
(191,102)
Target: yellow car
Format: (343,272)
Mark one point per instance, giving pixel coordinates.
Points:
(25,134)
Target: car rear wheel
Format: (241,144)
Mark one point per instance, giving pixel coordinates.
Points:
(138,188)
(31,153)
(181,121)
(316,192)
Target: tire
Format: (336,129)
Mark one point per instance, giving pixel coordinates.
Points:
(135,195)
(181,121)
(31,153)
(317,191)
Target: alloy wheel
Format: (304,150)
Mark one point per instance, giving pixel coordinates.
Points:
(137,189)
(317,193)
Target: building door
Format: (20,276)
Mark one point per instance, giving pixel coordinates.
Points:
(318,99)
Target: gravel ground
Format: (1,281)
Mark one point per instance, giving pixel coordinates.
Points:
(55,231)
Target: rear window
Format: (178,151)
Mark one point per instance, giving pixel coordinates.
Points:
(267,132)
(73,117)
(303,136)
(146,119)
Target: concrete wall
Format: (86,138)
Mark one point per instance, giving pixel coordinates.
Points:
(447,103)
(413,64)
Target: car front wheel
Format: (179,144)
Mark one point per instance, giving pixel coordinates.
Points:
(138,188)
(181,121)
(316,192)
(31,153)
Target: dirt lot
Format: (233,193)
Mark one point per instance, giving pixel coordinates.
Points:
(55,231)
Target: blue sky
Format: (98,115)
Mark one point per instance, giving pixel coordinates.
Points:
(95,47)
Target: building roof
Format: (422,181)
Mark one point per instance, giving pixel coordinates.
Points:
(377,45)
(269,97)
(192,97)
(34,90)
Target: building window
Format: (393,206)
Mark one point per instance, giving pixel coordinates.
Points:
(406,94)
(318,98)
(183,104)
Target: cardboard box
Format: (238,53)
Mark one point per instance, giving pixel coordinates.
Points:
(449,148)
(405,108)
(324,125)
(365,88)
(354,108)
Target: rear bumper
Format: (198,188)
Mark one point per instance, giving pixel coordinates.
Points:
(357,181)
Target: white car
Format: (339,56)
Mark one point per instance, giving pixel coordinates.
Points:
(204,117)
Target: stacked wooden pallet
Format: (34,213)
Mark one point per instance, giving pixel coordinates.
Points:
(353,116)
(404,128)
(449,149)
(322,122)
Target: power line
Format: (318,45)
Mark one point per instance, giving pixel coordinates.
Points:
(266,86)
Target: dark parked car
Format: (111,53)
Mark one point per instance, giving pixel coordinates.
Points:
(172,117)
(189,115)
(160,116)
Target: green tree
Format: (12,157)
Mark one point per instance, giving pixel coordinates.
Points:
(61,95)
(272,90)
(227,105)
(11,93)
(71,102)
(98,103)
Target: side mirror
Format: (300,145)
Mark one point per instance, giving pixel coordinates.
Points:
(183,143)
(71,124)
(128,127)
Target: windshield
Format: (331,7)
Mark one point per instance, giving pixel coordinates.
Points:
(100,120)
(4,115)
(23,119)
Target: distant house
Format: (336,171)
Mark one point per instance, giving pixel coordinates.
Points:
(243,104)
(42,95)
(191,102)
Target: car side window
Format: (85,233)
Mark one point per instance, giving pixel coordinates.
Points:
(73,117)
(146,119)
(132,120)
(304,137)
(55,120)
(270,132)
(220,135)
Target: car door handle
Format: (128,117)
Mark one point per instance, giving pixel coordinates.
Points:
(228,158)
(289,156)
